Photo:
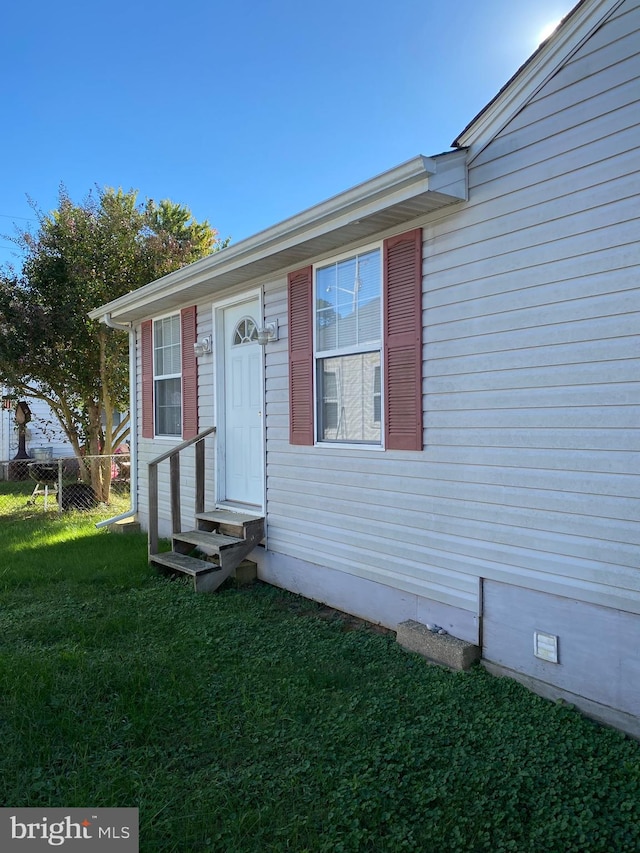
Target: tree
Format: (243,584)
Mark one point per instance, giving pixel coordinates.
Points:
(82,256)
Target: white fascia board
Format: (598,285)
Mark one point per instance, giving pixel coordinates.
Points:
(410,179)
(543,64)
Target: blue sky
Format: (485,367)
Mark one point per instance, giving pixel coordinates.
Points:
(246,111)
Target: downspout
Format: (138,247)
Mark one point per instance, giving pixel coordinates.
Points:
(133,419)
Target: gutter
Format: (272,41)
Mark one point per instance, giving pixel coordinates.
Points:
(133,420)
(415,177)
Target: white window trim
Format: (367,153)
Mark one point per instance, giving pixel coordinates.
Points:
(362,446)
(165,436)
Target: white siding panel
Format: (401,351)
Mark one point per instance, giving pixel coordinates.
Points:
(409,477)
(597,646)
(484,339)
(548,377)
(427,525)
(149,449)
(609,49)
(614,98)
(581,396)
(43,430)
(365,565)
(514,298)
(610,222)
(602,354)
(418,558)
(615,90)
(542,437)
(579,250)
(206,413)
(560,178)
(583,417)
(591,162)
(461,284)
(551,160)
(531,309)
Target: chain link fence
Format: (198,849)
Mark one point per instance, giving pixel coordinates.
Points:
(46,485)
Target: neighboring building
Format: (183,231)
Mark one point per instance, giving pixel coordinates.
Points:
(446,429)
(43,431)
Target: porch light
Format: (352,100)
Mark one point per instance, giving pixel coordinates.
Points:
(202,347)
(268,333)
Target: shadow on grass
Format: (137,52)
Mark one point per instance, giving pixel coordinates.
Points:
(44,548)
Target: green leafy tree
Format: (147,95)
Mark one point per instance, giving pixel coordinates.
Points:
(79,257)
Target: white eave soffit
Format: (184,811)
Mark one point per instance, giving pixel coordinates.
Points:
(402,194)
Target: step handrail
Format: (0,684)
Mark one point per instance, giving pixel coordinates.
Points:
(173,456)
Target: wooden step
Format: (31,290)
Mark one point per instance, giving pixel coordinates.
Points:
(232,523)
(224,538)
(185,564)
(210,543)
(224,516)
(207,577)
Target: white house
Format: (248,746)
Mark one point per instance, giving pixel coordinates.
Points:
(444,426)
(43,430)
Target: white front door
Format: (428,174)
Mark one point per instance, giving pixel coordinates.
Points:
(243,430)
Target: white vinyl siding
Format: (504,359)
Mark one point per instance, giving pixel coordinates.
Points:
(531,310)
(348,508)
(148,449)
(611,677)
(532,349)
(531,364)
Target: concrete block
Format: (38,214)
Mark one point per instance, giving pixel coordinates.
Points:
(439,648)
(125,525)
(246,573)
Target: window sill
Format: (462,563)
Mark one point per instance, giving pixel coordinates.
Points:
(345,445)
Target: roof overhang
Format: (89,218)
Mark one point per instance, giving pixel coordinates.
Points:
(574,29)
(416,188)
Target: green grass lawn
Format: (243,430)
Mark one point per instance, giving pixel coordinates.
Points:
(15,501)
(243,721)
(14,497)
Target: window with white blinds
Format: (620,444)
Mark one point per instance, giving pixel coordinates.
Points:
(167,376)
(348,340)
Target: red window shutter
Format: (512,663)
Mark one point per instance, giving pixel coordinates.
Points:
(402,269)
(146,352)
(301,356)
(188,337)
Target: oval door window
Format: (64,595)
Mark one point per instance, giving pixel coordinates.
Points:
(246,332)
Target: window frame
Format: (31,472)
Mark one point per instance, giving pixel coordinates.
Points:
(177,316)
(403,283)
(320,356)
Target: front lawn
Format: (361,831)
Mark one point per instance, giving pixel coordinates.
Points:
(243,721)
